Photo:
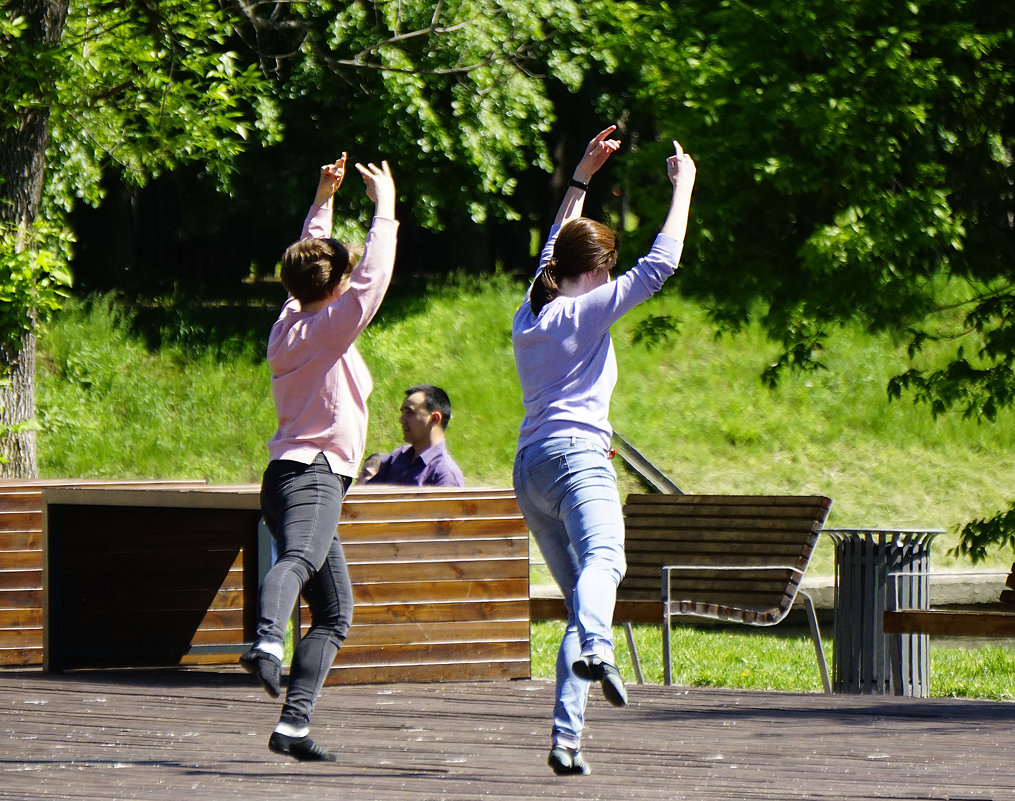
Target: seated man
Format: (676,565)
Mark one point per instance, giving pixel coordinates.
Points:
(425,461)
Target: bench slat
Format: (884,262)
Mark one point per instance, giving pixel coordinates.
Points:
(729,501)
(661,531)
(735,554)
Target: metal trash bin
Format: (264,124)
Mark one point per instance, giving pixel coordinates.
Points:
(878,570)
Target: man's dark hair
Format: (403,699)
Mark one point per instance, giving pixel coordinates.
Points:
(437,400)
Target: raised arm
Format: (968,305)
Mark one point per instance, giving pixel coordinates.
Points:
(596,155)
(681,171)
(318,221)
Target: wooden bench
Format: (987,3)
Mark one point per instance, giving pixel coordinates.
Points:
(986,623)
(737,559)
(21,560)
(440,580)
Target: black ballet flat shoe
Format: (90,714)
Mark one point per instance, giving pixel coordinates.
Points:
(568,762)
(266,667)
(302,749)
(592,668)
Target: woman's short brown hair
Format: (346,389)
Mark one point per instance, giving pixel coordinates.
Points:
(312,268)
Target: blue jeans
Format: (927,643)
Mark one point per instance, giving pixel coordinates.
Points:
(301,505)
(567,491)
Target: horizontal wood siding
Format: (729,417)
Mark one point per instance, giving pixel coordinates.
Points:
(440,584)
(440,581)
(21,561)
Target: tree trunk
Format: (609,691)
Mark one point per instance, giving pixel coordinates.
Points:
(17,451)
(24,135)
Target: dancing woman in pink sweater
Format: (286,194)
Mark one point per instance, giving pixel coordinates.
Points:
(320,385)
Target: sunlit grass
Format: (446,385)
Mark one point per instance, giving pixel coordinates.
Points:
(199,406)
(739,658)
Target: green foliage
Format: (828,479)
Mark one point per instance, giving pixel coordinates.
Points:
(141,89)
(848,153)
(454,94)
(134,88)
(852,156)
(982,534)
(33,279)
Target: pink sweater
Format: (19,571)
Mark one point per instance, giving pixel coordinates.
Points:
(319,381)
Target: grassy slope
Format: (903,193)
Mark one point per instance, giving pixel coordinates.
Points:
(693,404)
(199,406)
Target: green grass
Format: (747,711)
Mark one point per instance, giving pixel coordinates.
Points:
(178,389)
(738,658)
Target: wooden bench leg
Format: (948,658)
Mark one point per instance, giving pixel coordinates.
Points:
(812,621)
(634,653)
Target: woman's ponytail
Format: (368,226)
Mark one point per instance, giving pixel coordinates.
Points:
(544,288)
(582,245)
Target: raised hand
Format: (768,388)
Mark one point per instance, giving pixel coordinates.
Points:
(596,154)
(331,179)
(680,168)
(380,187)
(681,171)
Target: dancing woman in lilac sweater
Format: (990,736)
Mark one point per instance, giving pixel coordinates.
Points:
(565,485)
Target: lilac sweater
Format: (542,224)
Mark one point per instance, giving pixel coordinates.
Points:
(319,381)
(564,356)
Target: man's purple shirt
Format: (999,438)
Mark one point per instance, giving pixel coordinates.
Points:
(434,467)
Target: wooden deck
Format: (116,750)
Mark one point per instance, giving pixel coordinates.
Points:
(197,734)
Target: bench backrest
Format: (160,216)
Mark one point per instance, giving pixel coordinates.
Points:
(740,557)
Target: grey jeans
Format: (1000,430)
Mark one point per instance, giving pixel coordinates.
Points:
(301,505)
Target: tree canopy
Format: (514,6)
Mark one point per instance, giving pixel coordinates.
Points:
(855,158)
(857,164)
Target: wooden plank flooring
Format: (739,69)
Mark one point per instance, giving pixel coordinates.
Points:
(201,735)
